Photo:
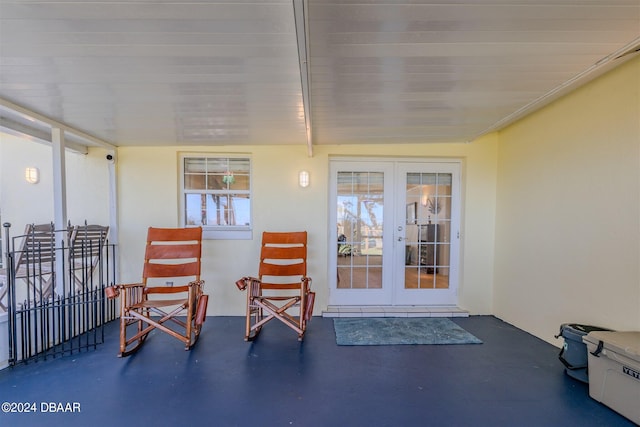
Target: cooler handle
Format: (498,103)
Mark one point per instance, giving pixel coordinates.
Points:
(567,364)
(598,349)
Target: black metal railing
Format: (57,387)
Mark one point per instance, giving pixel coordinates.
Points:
(54,295)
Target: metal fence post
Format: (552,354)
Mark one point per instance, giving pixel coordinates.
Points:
(11,296)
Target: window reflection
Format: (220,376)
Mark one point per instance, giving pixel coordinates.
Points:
(217,191)
(359,234)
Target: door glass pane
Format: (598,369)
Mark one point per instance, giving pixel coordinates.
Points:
(359,233)
(428,230)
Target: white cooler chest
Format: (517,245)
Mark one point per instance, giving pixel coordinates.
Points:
(614,370)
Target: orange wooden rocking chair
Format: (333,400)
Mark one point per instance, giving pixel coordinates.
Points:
(171,253)
(282,289)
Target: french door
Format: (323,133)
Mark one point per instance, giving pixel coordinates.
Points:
(394,232)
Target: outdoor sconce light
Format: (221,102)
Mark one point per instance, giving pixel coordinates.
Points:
(32,175)
(303,179)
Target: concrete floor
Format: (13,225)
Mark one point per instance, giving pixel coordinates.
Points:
(512,379)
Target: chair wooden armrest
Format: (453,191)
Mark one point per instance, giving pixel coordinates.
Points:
(196,283)
(245,281)
(310,298)
(113,291)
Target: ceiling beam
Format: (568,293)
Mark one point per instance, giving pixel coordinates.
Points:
(300,14)
(82,138)
(37,135)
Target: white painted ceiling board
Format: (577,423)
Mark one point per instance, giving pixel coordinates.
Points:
(423,71)
(157,73)
(168,72)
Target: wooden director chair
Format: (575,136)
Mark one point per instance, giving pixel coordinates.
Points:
(171,253)
(282,289)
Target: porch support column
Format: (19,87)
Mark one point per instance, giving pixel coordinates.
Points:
(113,209)
(59,197)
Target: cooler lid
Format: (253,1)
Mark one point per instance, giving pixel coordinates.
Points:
(625,343)
(584,329)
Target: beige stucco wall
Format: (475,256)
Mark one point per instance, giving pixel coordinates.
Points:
(568,211)
(148,195)
(22,203)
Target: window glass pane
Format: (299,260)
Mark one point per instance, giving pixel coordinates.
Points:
(228,182)
(240,182)
(429,178)
(413,178)
(217,165)
(214,182)
(216,205)
(444,179)
(242,209)
(194,212)
(376,182)
(361,182)
(445,208)
(444,184)
(194,165)
(228,209)
(194,182)
(239,166)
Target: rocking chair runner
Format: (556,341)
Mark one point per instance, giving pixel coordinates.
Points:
(170,253)
(282,289)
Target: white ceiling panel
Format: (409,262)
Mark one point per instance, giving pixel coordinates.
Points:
(166,72)
(157,72)
(429,71)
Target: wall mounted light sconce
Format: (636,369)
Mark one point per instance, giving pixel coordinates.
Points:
(32,175)
(303,179)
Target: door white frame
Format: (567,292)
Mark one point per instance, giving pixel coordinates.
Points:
(357,296)
(392,291)
(434,296)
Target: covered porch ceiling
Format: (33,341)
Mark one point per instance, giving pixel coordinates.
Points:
(314,72)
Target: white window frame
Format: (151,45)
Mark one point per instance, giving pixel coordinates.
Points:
(226,232)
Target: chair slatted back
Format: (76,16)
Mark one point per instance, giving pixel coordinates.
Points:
(283,260)
(38,251)
(172,252)
(88,240)
(86,247)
